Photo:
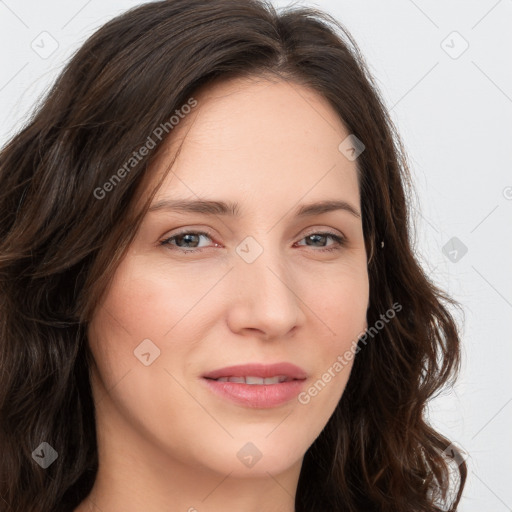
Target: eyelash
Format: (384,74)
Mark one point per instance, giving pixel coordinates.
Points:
(340,241)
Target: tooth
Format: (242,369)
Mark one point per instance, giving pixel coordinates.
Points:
(254,380)
(237,379)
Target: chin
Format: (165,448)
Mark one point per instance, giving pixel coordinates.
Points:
(252,456)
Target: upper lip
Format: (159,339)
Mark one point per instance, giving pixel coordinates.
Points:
(290,370)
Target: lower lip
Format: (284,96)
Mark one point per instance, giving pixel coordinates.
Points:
(260,396)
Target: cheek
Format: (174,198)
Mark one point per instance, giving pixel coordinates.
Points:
(148,308)
(342,308)
(128,314)
(339,299)
(147,300)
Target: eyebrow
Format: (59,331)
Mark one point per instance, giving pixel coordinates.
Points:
(208,207)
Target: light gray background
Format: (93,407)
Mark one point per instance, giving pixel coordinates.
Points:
(454,112)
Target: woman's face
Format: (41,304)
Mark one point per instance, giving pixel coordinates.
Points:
(259,288)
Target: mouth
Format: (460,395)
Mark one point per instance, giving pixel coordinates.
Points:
(257,385)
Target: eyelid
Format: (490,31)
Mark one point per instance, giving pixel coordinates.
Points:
(325,231)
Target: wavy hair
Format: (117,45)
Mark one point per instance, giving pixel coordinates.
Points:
(61,240)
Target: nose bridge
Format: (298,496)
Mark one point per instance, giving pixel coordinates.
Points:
(261,267)
(264,287)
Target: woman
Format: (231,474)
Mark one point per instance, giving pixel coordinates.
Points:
(209,298)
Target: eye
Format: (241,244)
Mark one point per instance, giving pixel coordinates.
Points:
(188,241)
(191,239)
(339,241)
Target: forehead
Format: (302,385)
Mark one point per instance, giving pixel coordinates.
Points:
(271,139)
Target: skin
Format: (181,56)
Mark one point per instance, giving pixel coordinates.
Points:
(165,441)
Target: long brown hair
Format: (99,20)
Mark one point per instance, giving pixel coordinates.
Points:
(63,232)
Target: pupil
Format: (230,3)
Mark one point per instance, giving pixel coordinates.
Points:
(316,236)
(187,236)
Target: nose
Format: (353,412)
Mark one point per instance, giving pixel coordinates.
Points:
(264,302)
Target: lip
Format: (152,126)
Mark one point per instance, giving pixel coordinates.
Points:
(259,370)
(259,396)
